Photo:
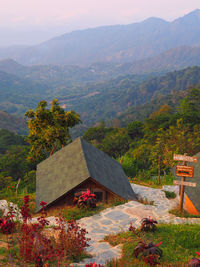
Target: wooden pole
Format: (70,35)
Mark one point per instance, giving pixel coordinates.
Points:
(182,188)
(159,170)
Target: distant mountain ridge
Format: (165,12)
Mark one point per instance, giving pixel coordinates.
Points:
(173,59)
(119,43)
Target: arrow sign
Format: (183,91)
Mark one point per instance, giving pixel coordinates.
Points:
(184,158)
(185,183)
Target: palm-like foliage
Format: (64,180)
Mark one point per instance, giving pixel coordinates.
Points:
(148,224)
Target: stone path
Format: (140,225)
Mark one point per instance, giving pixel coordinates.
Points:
(117,219)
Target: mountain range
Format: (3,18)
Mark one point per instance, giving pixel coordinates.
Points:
(118,43)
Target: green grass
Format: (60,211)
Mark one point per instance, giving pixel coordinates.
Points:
(78,213)
(184,214)
(170,195)
(180,242)
(146,180)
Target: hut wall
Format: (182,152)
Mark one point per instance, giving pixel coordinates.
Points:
(93,186)
(189,206)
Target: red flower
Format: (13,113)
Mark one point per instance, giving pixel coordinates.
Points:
(42,203)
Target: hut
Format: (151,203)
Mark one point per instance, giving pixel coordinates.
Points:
(74,169)
(192,194)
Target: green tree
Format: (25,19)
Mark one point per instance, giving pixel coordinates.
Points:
(49,129)
(135,129)
(13,163)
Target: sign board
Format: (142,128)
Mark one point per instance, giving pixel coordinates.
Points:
(184,171)
(184,158)
(185,183)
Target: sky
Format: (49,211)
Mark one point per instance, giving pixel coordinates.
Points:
(34,21)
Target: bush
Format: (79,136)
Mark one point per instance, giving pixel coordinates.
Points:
(86,200)
(130,165)
(170,195)
(35,246)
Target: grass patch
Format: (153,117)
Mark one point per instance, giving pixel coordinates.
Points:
(145,201)
(184,214)
(180,242)
(170,195)
(146,180)
(75,213)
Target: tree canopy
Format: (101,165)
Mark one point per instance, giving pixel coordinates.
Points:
(49,129)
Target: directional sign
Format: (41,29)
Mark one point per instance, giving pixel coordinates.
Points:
(185,183)
(184,158)
(184,171)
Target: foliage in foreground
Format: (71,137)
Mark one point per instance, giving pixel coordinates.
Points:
(180,243)
(32,243)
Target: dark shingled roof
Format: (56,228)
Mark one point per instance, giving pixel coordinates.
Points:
(193,192)
(72,165)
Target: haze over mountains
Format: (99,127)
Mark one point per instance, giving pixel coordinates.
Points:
(104,73)
(120,43)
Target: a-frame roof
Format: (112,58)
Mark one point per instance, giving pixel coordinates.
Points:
(72,165)
(193,192)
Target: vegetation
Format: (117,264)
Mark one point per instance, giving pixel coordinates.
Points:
(176,211)
(143,148)
(29,243)
(169,194)
(177,250)
(49,129)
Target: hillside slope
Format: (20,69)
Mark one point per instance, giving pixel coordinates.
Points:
(119,43)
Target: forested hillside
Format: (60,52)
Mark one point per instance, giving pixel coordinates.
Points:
(95,101)
(141,145)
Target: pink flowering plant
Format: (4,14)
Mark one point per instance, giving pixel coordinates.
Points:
(194,262)
(34,244)
(86,200)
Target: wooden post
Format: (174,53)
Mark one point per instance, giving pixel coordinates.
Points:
(182,187)
(159,170)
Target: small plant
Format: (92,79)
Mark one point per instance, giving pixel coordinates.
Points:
(149,252)
(86,200)
(194,262)
(170,195)
(145,201)
(148,224)
(6,225)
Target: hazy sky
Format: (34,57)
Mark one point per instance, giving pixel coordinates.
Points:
(60,16)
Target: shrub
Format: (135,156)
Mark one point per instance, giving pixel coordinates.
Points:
(194,262)
(148,224)
(7,225)
(170,195)
(86,200)
(149,252)
(35,246)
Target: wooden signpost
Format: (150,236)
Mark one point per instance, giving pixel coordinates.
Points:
(185,183)
(184,171)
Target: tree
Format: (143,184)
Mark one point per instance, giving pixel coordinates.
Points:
(49,129)
(135,129)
